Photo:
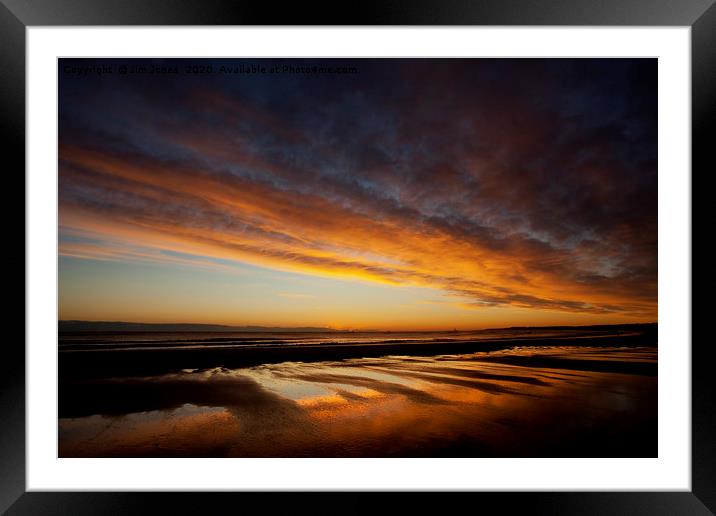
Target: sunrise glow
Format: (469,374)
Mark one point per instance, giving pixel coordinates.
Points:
(415,194)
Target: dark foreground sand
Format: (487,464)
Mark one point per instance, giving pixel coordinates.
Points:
(590,397)
(139,361)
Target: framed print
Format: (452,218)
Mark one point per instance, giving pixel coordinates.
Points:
(422,248)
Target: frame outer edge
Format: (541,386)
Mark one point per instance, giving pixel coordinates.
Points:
(12,102)
(12,364)
(367,12)
(703,123)
(359,503)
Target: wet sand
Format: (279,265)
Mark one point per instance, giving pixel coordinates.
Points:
(127,359)
(593,397)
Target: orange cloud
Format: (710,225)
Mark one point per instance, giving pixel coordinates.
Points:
(187,208)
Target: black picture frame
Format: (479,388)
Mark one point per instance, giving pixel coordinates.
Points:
(17,15)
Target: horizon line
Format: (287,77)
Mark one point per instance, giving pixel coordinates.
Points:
(353,329)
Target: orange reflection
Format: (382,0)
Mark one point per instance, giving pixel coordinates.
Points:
(472,405)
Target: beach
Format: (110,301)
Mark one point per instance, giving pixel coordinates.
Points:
(560,392)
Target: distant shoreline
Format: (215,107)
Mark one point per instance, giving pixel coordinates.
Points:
(67,326)
(76,326)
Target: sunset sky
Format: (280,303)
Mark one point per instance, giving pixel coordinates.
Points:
(410,194)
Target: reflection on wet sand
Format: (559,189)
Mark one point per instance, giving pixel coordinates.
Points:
(558,401)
